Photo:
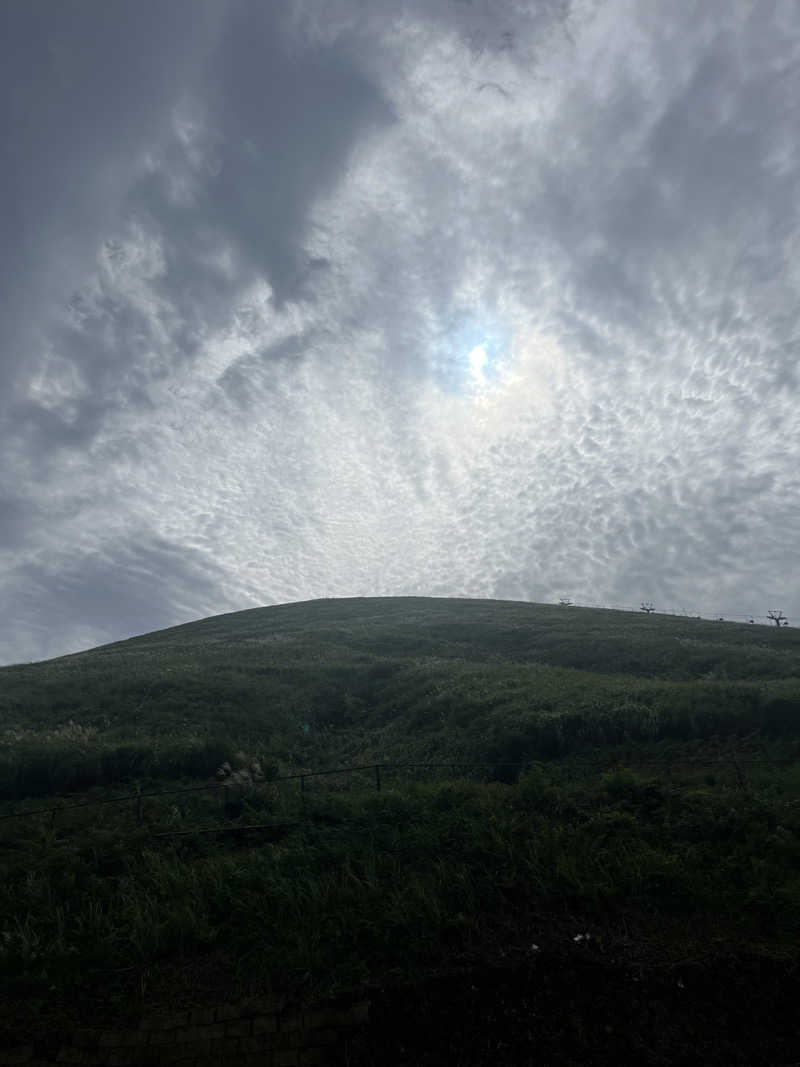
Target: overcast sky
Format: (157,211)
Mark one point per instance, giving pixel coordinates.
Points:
(491,298)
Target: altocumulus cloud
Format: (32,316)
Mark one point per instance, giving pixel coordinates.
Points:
(456,299)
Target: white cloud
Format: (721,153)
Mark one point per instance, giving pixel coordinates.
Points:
(540,339)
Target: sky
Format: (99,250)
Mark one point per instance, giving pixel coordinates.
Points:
(471,298)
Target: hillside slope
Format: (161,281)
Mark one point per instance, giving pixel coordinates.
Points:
(634,778)
(395,678)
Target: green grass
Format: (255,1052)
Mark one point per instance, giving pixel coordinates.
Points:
(406,677)
(365,883)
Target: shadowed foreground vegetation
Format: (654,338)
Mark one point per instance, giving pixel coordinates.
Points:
(680,841)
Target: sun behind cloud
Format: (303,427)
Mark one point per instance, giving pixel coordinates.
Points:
(478,358)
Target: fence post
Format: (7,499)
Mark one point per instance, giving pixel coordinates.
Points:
(378,777)
(303,790)
(138,804)
(52,818)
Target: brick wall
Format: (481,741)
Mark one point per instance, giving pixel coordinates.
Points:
(257,1032)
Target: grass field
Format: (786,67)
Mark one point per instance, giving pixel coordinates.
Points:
(638,779)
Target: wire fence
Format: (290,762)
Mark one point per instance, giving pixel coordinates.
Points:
(232,793)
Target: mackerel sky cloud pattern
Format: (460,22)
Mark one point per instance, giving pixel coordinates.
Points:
(448,298)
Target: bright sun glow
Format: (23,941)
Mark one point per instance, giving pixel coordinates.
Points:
(477,361)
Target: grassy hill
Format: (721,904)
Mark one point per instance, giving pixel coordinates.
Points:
(394,678)
(635,776)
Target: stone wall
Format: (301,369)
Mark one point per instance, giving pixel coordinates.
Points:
(258,1032)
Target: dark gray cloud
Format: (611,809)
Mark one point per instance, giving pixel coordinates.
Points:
(241,137)
(84,88)
(84,598)
(290,293)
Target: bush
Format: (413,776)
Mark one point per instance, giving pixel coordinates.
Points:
(619,784)
(195,759)
(536,790)
(780,716)
(456,795)
(609,826)
(126,761)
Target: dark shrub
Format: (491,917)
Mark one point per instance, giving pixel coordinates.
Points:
(781,716)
